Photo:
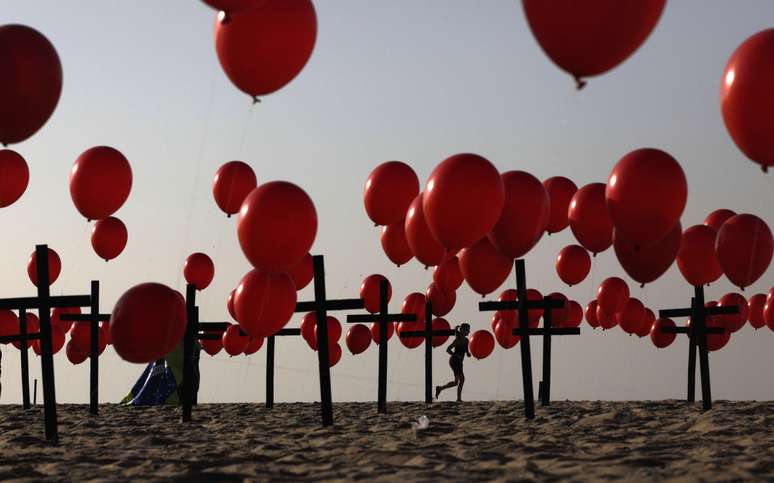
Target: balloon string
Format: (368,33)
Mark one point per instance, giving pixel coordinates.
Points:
(245,125)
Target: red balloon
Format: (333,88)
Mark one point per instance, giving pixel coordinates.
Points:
(230,304)
(358,339)
(334,331)
(438,325)
(211,347)
(254,344)
(147,322)
(57,341)
(232,183)
(389,190)
(647,263)
(606,321)
(277,226)
(716,219)
(414,303)
(734,322)
(442,301)
(448,276)
(375,331)
(232,6)
(9,323)
(481,344)
(483,267)
(302,273)
(647,324)
(264,48)
(509,317)
(715,342)
(589,38)
(697,259)
(31,84)
(768,310)
(524,216)
(560,192)
(395,244)
(199,270)
(334,355)
(308,326)
(573,264)
(14,176)
(56,317)
(410,342)
(646,194)
(756,304)
(54,267)
(108,238)
(612,295)
(80,335)
(744,247)
(574,314)
(370,291)
(589,220)
(631,318)
(74,354)
(558,316)
(745,98)
(423,245)
(659,338)
(504,334)
(264,302)
(463,201)
(100,182)
(33,325)
(104,327)
(234,342)
(591,314)
(533,314)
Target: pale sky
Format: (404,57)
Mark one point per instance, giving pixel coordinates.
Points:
(399,79)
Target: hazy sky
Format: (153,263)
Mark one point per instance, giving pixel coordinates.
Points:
(399,79)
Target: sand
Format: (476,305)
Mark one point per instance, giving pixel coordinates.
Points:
(635,441)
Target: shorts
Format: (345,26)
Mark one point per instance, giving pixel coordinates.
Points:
(456,366)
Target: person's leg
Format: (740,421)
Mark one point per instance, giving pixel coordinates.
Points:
(439,389)
(459,387)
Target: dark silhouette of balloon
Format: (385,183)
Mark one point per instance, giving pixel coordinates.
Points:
(745,98)
(389,190)
(9,323)
(716,219)
(483,267)
(423,244)
(591,314)
(277,226)
(395,244)
(14,176)
(264,48)
(632,316)
(254,344)
(504,334)
(481,344)
(646,194)
(574,314)
(589,220)
(358,339)
(334,355)
(447,275)
(57,341)
(414,303)
(33,325)
(234,343)
(370,291)
(375,331)
(612,295)
(199,270)
(573,264)
(659,338)
(308,327)
(147,322)
(108,238)
(100,182)
(442,301)
(264,302)
(560,192)
(54,267)
(232,182)
(104,327)
(509,317)
(438,325)
(524,216)
(744,247)
(734,322)
(647,263)
(74,354)
(589,38)
(463,200)
(31,82)
(302,273)
(558,316)
(697,259)
(410,342)
(56,317)
(715,342)
(230,304)
(756,303)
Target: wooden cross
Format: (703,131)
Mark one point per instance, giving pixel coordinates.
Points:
(93,318)
(24,355)
(383,318)
(522,306)
(428,333)
(697,336)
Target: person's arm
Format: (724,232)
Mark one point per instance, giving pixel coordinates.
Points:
(451,347)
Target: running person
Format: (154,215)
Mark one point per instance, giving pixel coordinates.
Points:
(457,350)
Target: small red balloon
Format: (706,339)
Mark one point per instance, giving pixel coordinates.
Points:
(389,190)
(230,304)
(483,267)
(573,264)
(302,273)
(591,314)
(334,355)
(716,219)
(524,216)
(423,244)
(56,317)
(308,326)
(697,259)
(33,325)
(232,182)
(612,295)
(558,316)
(108,238)
(395,244)
(441,300)
(264,302)
(574,314)
(370,291)
(438,325)
(744,247)
(715,342)
(54,267)
(589,221)
(254,344)
(647,263)
(481,344)
(448,275)
(647,324)
(212,347)
(74,354)
(234,343)
(560,192)
(80,335)
(734,322)
(756,304)
(509,317)
(100,182)
(414,303)
(606,321)
(632,316)
(358,339)
(504,334)
(14,176)
(768,310)
(660,338)
(199,270)
(410,342)
(375,331)
(334,331)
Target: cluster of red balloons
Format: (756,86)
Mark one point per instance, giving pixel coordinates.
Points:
(233,342)
(614,306)
(309,329)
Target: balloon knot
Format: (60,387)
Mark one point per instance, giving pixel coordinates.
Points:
(376,224)
(642,285)
(594,254)
(579,83)
(763,167)
(256,100)
(5,145)
(228,215)
(426,267)
(88,220)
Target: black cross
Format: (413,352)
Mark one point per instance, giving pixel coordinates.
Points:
(522,306)
(697,336)
(428,334)
(383,318)
(44,302)
(24,354)
(93,318)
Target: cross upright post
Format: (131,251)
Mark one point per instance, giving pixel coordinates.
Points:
(25,364)
(270,363)
(191,330)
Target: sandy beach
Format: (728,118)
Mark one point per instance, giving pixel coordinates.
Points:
(580,441)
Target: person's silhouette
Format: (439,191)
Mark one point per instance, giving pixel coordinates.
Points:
(457,351)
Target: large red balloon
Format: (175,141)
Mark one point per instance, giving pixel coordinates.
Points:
(483,267)
(560,192)
(589,38)
(504,334)
(108,238)
(389,190)
(442,301)
(264,302)
(756,304)
(463,200)
(302,273)
(438,325)
(410,342)
(647,263)
(232,183)
(395,244)
(612,295)
(591,314)
(31,82)
(716,219)
(358,338)
(573,264)
(147,322)
(264,48)
(375,331)
(199,270)
(370,291)
(631,318)
(414,303)
(277,226)
(233,6)
(589,220)
(54,267)
(744,247)
(660,338)
(734,322)
(448,275)
(697,259)
(56,317)
(234,343)
(253,345)
(646,194)
(574,314)
(100,182)
(481,344)
(14,176)
(423,244)
(524,216)
(746,100)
